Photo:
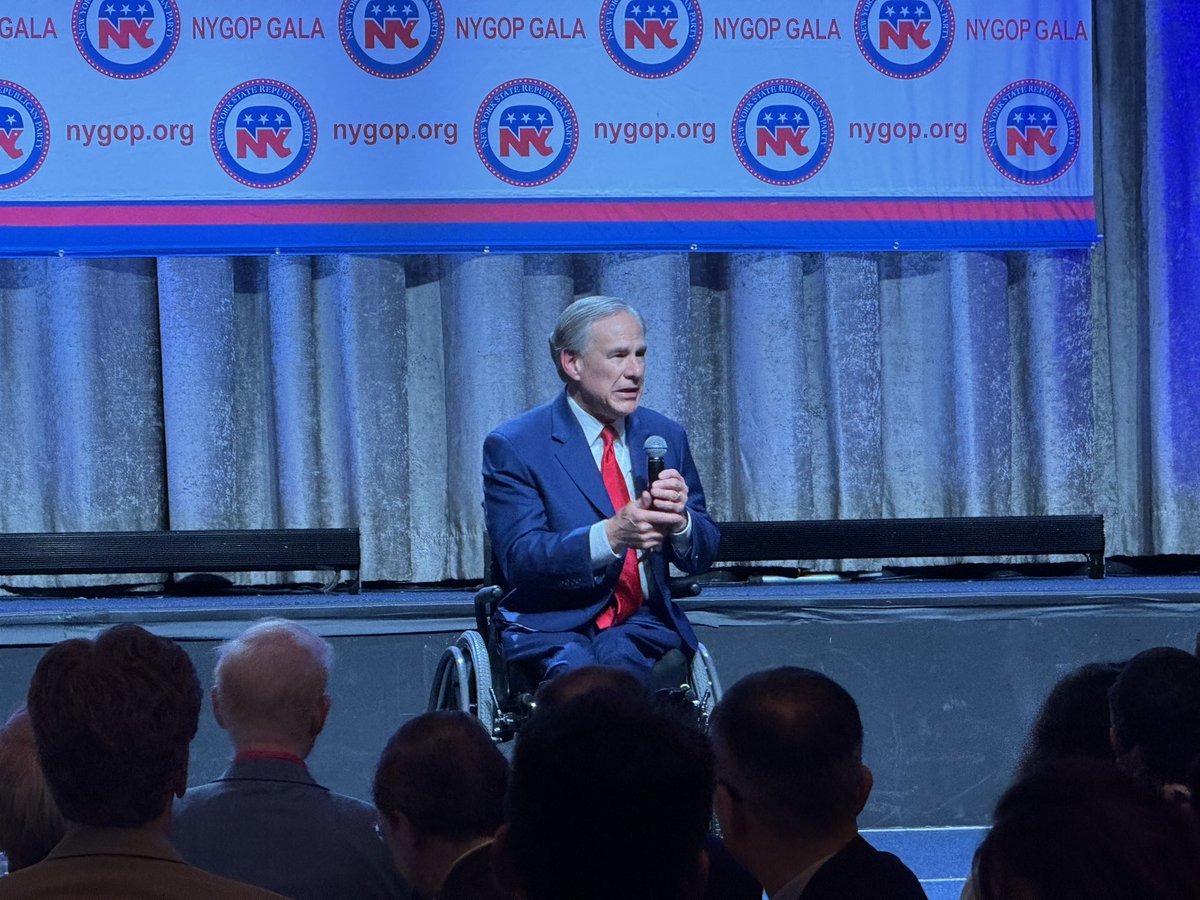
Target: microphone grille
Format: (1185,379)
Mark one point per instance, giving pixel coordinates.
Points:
(656,447)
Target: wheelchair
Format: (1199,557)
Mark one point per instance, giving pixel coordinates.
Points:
(472,676)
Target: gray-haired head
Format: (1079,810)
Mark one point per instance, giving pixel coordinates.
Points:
(270,681)
(574,327)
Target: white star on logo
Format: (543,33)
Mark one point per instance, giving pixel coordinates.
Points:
(904,10)
(541,117)
(511,117)
(391,10)
(249,118)
(375,9)
(279,119)
(125,9)
(1046,117)
(890,11)
(768,116)
(263,118)
(525,117)
(650,10)
(1018,116)
(11,119)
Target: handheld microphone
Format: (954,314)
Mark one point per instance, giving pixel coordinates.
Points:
(656,450)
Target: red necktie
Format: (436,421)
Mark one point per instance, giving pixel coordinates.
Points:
(628,594)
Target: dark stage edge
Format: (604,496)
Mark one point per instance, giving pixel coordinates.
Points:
(28,620)
(948,675)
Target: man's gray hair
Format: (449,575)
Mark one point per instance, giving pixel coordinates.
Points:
(270,678)
(574,327)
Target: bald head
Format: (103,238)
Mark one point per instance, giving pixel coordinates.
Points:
(791,740)
(270,688)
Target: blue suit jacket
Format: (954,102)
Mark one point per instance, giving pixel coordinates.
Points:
(543,492)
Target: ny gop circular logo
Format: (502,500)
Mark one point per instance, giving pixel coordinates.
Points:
(904,38)
(782,131)
(526,132)
(651,38)
(1031,132)
(392,38)
(263,133)
(125,38)
(24,135)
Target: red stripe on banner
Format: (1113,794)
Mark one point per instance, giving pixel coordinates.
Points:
(869,210)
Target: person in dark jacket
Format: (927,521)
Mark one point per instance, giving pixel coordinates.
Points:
(790,785)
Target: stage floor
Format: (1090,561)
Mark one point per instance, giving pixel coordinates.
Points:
(940,857)
(31,619)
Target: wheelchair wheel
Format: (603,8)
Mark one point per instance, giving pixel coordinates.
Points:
(463,680)
(706,683)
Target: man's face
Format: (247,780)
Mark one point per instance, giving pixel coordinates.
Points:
(606,377)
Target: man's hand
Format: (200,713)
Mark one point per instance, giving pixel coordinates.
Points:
(669,493)
(637,526)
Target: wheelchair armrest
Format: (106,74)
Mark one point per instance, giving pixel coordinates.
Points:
(684,587)
(487,599)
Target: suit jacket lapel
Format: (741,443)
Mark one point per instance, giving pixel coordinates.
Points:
(576,458)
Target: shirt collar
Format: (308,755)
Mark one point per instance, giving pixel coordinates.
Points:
(1177,793)
(89,840)
(794,888)
(591,425)
(258,755)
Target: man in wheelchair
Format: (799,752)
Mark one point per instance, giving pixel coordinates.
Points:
(581,536)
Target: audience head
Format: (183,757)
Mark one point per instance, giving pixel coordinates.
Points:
(788,743)
(587,680)
(1074,720)
(113,718)
(610,797)
(439,789)
(270,687)
(1155,704)
(30,824)
(1080,829)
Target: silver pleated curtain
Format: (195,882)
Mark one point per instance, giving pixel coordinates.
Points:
(351,390)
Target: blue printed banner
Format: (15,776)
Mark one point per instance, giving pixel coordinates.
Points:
(140,127)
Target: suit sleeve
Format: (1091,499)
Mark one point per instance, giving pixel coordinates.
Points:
(533,558)
(705,536)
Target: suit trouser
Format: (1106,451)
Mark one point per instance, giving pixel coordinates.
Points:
(635,645)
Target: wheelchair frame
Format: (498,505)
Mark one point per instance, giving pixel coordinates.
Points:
(471,676)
